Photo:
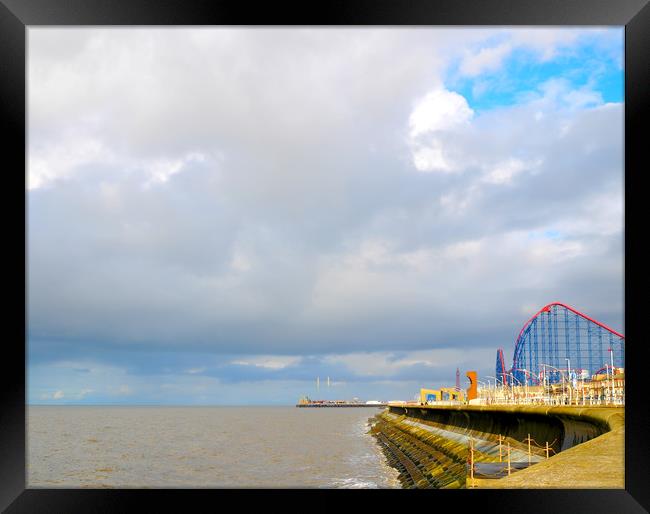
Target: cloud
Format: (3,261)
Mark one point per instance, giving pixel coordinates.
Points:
(58,161)
(251,206)
(124,390)
(490,55)
(439,110)
(288,378)
(559,91)
(269,362)
(487,59)
(194,371)
(504,172)
(58,395)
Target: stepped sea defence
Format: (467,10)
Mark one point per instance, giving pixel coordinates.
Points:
(478,446)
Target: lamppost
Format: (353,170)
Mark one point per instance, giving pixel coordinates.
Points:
(528,374)
(496,384)
(544,383)
(482,383)
(489,391)
(518,381)
(556,369)
(580,393)
(611,357)
(568,362)
(608,388)
(525,388)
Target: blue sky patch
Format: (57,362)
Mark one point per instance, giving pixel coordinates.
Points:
(589,63)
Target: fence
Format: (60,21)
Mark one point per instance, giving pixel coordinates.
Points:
(493,470)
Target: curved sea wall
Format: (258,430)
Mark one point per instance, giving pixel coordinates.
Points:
(432,446)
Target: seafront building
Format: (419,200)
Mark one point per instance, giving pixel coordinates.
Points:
(444,394)
(599,389)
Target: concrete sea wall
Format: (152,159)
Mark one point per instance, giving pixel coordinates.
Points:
(432,446)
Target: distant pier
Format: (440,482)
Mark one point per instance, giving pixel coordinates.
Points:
(339,403)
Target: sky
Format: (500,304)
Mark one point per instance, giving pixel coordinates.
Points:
(222,215)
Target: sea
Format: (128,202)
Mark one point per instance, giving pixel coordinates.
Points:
(203,447)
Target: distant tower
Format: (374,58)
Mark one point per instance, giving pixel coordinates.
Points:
(457,379)
(317,383)
(328,382)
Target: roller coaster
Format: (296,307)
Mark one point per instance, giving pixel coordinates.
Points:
(560,342)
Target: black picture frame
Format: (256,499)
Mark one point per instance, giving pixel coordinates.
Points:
(16,15)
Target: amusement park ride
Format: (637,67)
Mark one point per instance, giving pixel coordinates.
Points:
(562,346)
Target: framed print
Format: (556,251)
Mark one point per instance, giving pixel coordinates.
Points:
(276,251)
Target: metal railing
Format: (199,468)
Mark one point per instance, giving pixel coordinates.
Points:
(505,466)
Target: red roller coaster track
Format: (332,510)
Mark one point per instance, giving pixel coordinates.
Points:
(547,308)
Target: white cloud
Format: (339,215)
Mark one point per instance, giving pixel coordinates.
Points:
(160,170)
(583,97)
(75,154)
(455,203)
(124,389)
(60,160)
(58,395)
(547,41)
(270,362)
(386,364)
(432,158)
(559,94)
(486,59)
(554,251)
(84,392)
(439,110)
(489,56)
(504,172)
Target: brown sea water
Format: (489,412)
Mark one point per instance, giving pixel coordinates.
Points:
(161,447)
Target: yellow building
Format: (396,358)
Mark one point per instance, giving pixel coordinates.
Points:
(428,396)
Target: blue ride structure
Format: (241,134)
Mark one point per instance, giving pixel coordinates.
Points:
(560,342)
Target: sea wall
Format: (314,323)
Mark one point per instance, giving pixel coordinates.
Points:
(431,446)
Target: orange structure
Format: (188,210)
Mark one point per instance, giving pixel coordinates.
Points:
(472,392)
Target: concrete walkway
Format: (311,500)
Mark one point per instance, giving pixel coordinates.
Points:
(596,464)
